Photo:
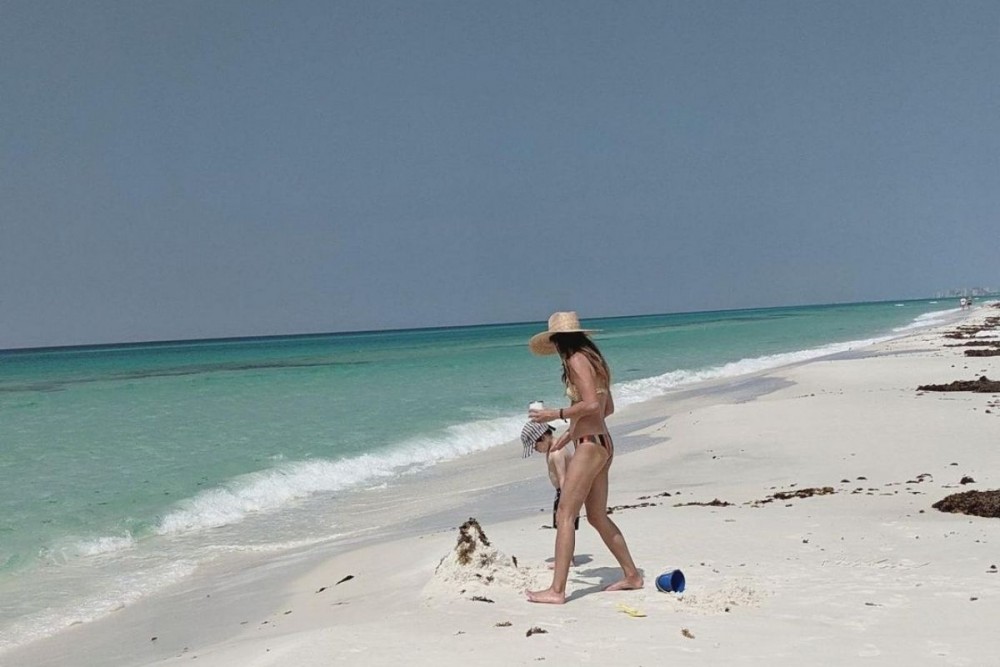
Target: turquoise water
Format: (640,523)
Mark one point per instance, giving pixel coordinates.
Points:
(108,450)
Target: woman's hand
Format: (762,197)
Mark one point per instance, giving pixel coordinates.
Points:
(543,416)
(561,442)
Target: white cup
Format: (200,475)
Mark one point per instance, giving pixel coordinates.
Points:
(536,405)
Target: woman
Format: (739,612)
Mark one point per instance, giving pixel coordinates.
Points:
(588,386)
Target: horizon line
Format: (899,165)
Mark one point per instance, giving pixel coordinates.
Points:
(351,332)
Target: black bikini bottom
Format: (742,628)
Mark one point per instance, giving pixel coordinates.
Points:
(555,507)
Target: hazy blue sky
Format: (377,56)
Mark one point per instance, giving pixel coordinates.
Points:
(194,169)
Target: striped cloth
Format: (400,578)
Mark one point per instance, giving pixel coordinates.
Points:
(532,433)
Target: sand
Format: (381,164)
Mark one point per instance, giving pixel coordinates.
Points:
(823,548)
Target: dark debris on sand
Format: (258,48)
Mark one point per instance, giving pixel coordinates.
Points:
(970,330)
(983,353)
(665,494)
(983,385)
(711,503)
(975,343)
(611,510)
(973,503)
(798,493)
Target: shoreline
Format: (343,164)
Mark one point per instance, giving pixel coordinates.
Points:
(505,493)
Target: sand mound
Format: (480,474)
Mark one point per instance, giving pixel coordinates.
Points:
(475,567)
(719,601)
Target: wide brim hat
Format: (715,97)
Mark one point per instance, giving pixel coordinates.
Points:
(564,322)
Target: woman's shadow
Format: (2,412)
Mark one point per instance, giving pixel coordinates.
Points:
(605,577)
(578,560)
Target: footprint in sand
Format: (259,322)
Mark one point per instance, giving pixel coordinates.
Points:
(869,651)
(939,648)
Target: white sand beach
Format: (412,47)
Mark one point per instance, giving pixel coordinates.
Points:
(865,572)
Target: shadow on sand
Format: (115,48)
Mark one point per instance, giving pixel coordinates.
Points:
(605,577)
(578,560)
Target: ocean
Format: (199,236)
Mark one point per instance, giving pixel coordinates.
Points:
(125,468)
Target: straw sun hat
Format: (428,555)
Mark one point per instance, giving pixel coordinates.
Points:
(567,322)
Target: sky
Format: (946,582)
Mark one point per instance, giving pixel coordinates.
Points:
(193,169)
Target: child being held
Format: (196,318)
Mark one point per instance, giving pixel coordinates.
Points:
(538,437)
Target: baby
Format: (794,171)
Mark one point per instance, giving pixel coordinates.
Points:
(538,437)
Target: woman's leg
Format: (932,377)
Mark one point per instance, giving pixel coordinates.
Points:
(586,464)
(597,515)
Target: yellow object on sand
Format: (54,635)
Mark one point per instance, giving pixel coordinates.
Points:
(631,611)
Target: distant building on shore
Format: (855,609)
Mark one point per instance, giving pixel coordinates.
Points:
(967,292)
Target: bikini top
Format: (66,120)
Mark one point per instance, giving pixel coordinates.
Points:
(574,394)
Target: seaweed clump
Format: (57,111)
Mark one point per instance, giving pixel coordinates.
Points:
(973,503)
(468,533)
(983,353)
(797,493)
(970,330)
(710,503)
(983,385)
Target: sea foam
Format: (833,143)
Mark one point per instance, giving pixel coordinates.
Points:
(930,319)
(636,391)
(276,487)
(105,545)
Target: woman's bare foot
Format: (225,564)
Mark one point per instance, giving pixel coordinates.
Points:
(548,596)
(626,584)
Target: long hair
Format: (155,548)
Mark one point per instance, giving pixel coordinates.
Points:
(568,344)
